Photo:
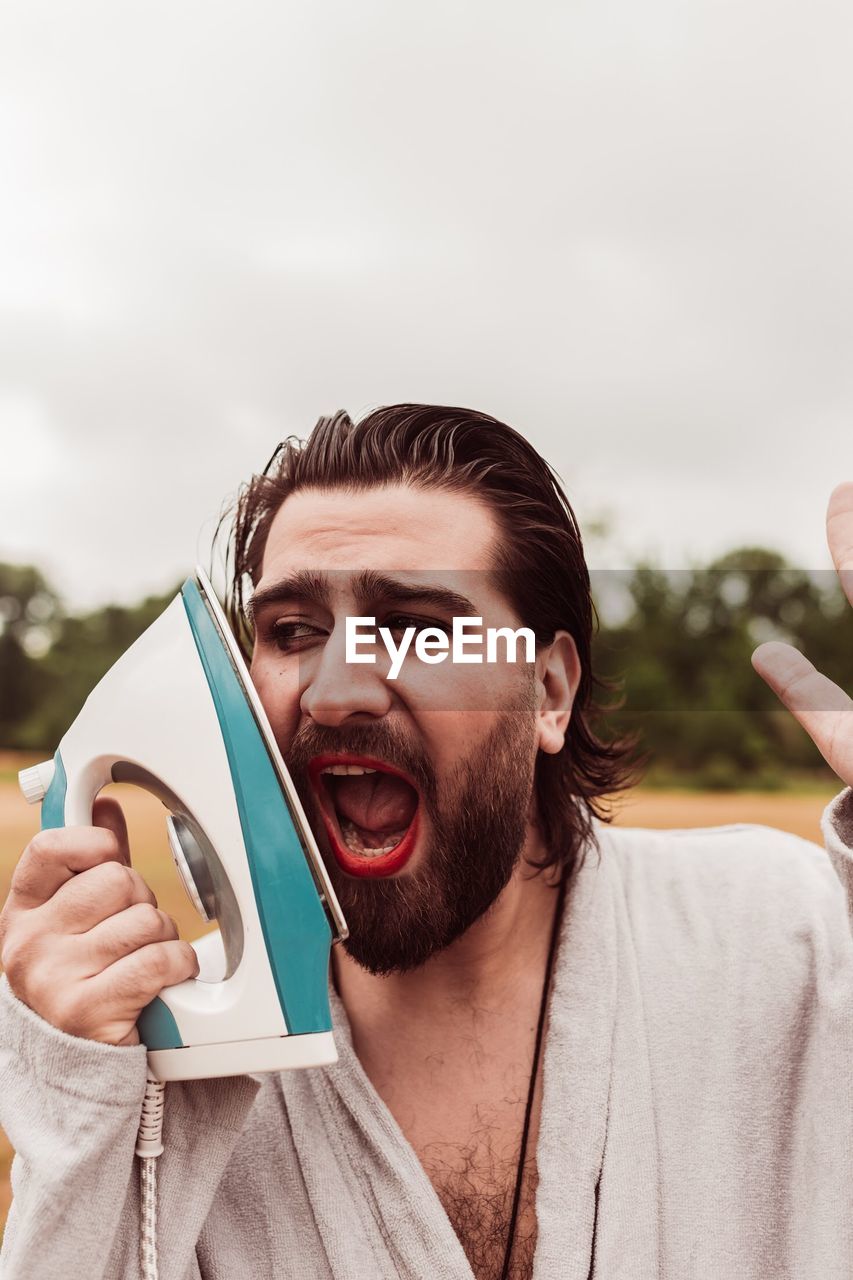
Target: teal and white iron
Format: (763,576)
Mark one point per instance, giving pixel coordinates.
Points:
(178,715)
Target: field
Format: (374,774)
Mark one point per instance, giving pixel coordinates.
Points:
(799,813)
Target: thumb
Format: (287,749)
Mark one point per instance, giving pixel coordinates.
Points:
(108,813)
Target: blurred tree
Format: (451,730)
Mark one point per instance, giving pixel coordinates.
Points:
(684,653)
(29,615)
(84,649)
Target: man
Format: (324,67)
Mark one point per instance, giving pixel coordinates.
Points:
(566,1051)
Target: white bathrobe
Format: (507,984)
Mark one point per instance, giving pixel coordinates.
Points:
(697,1118)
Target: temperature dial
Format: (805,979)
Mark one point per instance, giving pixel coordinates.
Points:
(192,867)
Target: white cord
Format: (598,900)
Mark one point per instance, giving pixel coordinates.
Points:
(149,1146)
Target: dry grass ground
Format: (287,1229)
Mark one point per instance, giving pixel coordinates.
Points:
(797,813)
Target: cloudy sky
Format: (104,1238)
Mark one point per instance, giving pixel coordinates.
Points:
(623,228)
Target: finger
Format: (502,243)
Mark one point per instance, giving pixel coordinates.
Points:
(123,933)
(94,895)
(132,982)
(824,710)
(839,533)
(55,856)
(108,814)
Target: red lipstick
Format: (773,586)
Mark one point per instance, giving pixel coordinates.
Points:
(363,867)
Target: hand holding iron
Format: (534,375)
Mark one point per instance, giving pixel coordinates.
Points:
(82,940)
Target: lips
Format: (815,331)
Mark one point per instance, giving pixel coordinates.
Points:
(370,810)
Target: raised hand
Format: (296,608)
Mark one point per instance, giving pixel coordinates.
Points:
(824,710)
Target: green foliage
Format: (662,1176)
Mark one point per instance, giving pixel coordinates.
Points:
(57,682)
(683,653)
(28,613)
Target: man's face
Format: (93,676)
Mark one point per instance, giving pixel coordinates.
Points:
(418,788)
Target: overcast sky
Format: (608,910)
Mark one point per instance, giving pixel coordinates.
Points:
(623,228)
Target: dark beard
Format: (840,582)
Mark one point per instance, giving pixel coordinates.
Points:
(477,835)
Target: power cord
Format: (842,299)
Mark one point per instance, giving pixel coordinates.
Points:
(149,1146)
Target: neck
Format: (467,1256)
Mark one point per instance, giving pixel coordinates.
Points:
(493,971)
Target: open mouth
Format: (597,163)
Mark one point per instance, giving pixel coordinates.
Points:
(370,811)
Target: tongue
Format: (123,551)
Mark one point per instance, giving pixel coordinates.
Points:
(375,801)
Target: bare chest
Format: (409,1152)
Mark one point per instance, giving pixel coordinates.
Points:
(469,1144)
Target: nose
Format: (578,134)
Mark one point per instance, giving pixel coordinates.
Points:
(336,691)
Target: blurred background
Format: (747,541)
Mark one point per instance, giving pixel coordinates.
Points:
(622,229)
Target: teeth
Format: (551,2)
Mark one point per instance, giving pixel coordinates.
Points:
(355,844)
(341,769)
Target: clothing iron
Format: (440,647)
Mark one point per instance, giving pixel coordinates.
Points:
(179,716)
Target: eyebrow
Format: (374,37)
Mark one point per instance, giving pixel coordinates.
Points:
(378,588)
(302,585)
(369,587)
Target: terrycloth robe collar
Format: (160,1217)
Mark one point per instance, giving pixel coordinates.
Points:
(409,1234)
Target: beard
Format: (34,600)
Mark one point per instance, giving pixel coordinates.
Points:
(477,828)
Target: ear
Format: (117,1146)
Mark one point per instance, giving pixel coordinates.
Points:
(558,673)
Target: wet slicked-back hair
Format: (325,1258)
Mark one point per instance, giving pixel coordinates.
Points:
(539,565)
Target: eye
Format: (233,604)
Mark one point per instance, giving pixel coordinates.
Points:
(398,622)
(288,637)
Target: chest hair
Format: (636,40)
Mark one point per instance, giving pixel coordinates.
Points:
(475,1182)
